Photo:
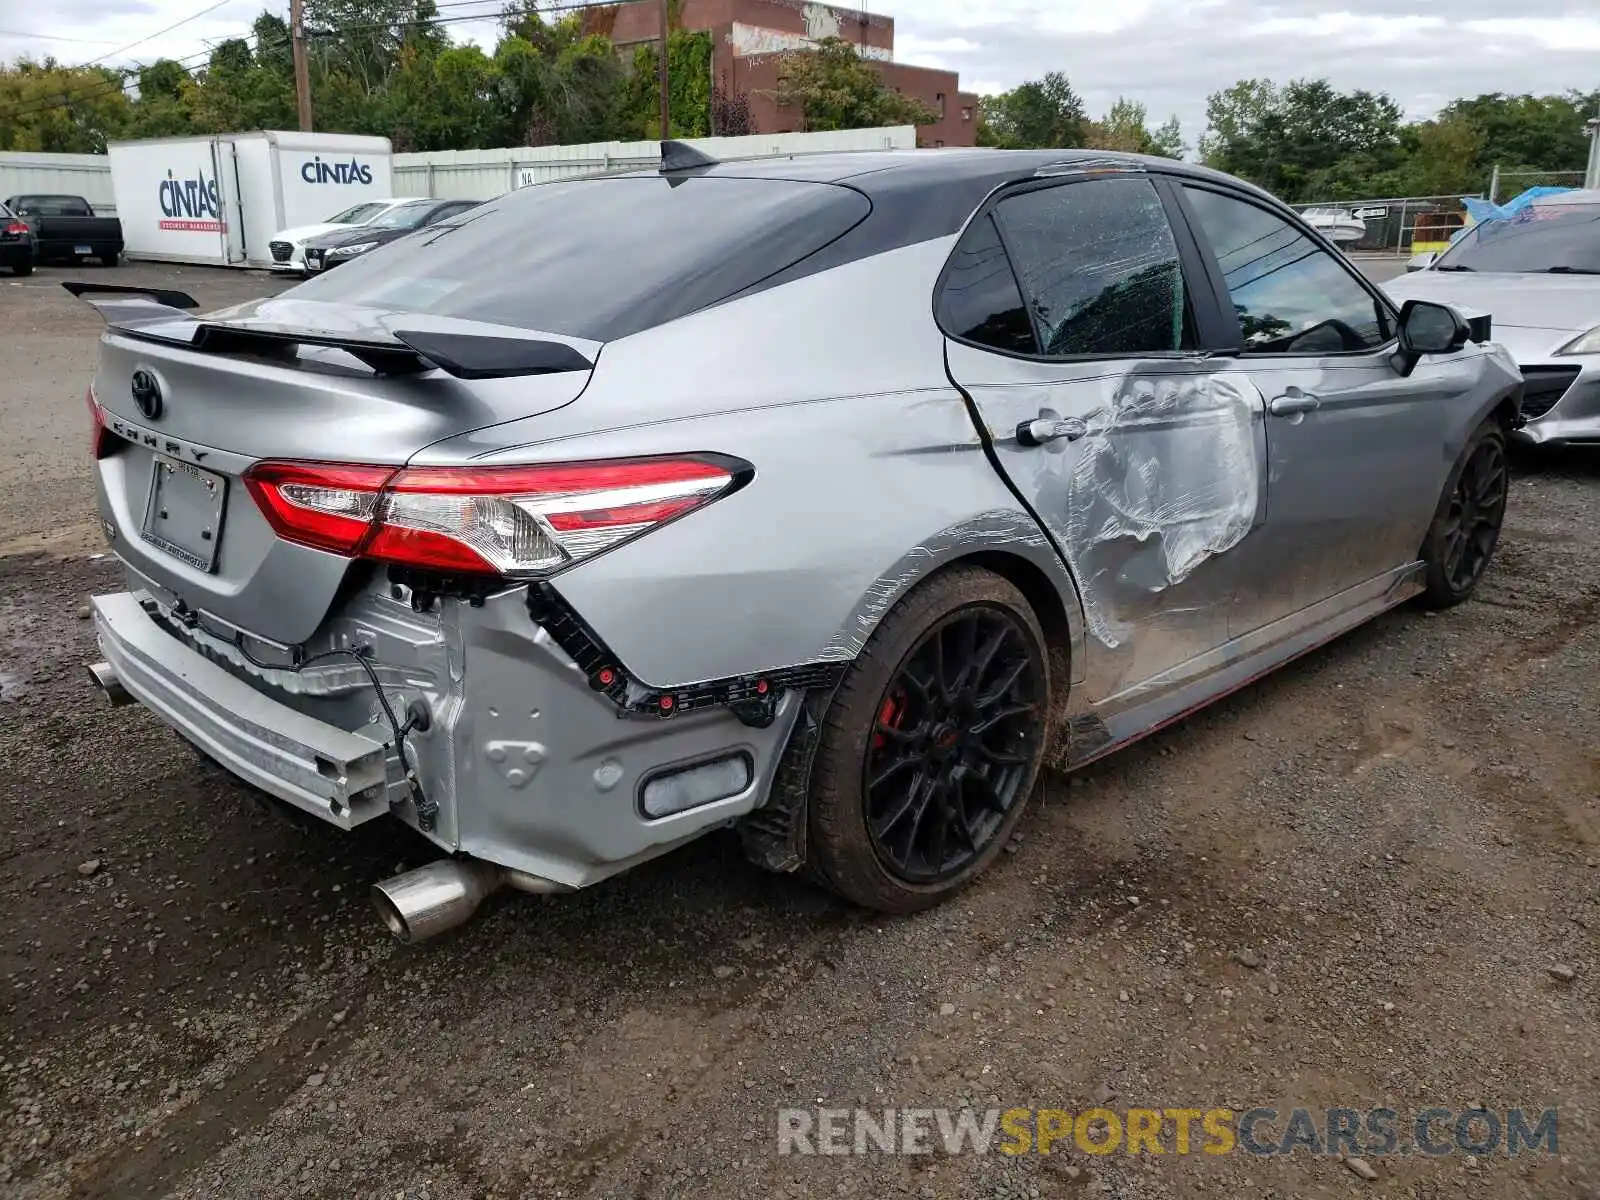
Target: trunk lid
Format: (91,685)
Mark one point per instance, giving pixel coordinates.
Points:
(185,423)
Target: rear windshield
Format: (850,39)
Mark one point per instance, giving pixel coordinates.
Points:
(1542,237)
(599,258)
(54,206)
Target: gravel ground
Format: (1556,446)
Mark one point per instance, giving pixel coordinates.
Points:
(1346,885)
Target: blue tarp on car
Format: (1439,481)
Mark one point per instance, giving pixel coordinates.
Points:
(1482,210)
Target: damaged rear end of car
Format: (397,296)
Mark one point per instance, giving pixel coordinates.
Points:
(359,628)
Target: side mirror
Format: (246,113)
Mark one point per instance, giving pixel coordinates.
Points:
(1428,328)
(1421,262)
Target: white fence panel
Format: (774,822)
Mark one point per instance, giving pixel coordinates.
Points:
(468,174)
(484,174)
(86,175)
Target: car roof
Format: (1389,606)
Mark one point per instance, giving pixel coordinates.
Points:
(877,170)
(1576,196)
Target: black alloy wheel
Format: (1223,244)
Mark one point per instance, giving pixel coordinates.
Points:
(1477,508)
(1466,525)
(953,743)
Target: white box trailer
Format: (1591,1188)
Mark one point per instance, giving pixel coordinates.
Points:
(217,200)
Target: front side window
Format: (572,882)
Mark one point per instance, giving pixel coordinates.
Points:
(1545,238)
(1291,295)
(1099,267)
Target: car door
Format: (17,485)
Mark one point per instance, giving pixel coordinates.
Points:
(1070,327)
(1357,451)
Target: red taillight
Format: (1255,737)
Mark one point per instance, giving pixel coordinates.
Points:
(326,505)
(17,228)
(514,521)
(98,437)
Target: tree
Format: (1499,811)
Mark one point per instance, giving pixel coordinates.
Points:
(730,111)
(689,78)
(561,85)
(1167,140)
(1304,141)
(244,87)
(1040,114)
(1541,133)
(1441,158)
(56,109)
(833,88)
(1124,128)
(165,107)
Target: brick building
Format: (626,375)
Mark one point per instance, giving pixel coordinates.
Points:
(750,39)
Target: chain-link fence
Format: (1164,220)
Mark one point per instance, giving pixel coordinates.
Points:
(1387,224)
(1505,184)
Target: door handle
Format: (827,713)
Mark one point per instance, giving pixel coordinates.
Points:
(1294,403)
(1048,427)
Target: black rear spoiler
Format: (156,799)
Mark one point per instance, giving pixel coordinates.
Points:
(162,296)
(412,352)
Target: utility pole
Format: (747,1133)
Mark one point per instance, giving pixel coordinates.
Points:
(661,77)
(302,76)
(1591,176)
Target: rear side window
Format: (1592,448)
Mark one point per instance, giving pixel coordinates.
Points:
(599,258)
(1098,265)
(980,301)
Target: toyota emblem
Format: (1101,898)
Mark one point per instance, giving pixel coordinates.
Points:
(147,394)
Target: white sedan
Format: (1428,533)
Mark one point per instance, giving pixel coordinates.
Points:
(1538,276)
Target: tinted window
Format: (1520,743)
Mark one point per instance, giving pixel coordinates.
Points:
(355,215)
(980,300)
(1098,265)
(600,258)
(402,216)
(1542,237)
(1292,296)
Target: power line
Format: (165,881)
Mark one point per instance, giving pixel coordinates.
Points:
(157,33)
(51,37)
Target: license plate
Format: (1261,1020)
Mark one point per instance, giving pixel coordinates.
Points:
(83,249)
(184,516)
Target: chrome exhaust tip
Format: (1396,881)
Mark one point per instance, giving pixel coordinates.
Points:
(105,678)
(428,901)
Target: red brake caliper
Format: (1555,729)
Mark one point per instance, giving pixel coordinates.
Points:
(893,708)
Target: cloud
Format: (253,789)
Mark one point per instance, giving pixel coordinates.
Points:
(1171,54)
(1167,54)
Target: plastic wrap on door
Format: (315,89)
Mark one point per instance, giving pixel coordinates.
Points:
(1168,475)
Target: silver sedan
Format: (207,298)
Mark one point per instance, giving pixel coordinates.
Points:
(825,498)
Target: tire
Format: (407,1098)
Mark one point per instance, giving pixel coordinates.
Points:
(887,710)
(22,268)
(111,260)
(1466,525)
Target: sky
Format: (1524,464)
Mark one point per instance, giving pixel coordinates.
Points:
(1166,54)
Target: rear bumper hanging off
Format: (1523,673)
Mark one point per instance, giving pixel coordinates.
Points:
(332,773)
